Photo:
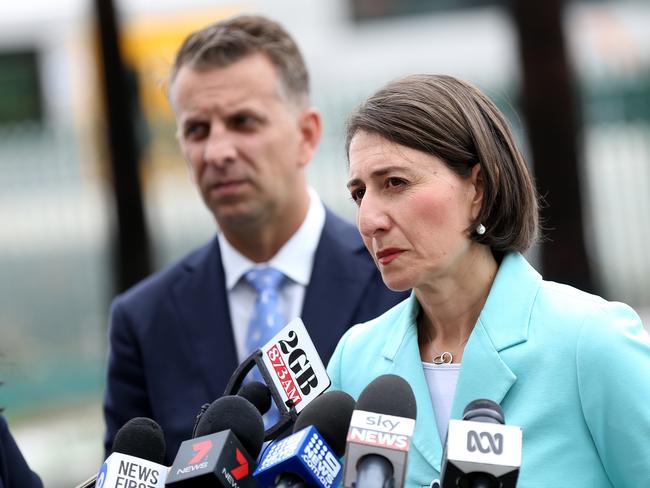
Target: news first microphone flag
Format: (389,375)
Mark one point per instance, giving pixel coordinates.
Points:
(122,470)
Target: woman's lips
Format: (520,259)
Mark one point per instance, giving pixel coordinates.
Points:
(387,256)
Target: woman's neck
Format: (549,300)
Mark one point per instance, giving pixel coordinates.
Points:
(450,308)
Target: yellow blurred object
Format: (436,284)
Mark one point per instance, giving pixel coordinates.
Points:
(149,44)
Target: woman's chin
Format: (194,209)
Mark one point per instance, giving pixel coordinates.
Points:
(395,284)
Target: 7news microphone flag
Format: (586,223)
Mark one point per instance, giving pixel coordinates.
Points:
(228,437)
(291,368)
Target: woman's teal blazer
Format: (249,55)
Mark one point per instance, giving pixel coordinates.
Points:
(571,369)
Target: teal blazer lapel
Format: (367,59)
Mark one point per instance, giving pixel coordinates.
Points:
(402,349)
(483,374)
(503,323)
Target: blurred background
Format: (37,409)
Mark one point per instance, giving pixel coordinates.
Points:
(94,193)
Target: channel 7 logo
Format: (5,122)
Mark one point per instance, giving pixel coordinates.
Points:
(484,442)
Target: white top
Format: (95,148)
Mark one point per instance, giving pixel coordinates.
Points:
(294,259)
(441,380)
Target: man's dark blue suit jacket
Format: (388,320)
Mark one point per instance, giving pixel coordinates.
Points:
(171,342)
(14,472)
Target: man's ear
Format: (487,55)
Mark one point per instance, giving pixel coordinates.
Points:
(188,164)
(478,185)
(310,125)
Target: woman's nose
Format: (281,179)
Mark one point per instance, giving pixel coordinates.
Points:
(372,217)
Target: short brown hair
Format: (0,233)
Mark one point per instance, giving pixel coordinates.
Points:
(225,42)
(454,121)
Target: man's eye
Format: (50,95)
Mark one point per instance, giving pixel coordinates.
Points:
(243,121)
(357,195)
(195,131)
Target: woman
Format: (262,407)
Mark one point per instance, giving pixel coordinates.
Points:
(14,472)
(446,206)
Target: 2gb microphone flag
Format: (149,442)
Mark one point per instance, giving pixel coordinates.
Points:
(295,366)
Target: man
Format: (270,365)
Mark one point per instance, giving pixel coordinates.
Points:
(239,91)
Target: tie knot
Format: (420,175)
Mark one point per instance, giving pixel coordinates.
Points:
(265,278)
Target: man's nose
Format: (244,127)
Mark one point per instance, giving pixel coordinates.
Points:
(220,148)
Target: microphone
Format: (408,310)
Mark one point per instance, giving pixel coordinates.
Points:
(310,456)
(380,434)
(227,440)
(292,370)
(481,452)
(258,394)
(255,392)
(136,458)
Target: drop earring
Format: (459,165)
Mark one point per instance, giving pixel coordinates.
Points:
(480,229)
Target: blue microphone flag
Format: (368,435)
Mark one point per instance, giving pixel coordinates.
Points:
(304,453)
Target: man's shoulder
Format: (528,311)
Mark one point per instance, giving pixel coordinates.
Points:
(341,238)
(162,280)
(341,230)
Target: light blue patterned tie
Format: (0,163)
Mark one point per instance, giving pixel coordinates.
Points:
(267,319)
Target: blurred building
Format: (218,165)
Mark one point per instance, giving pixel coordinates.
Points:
(56,209)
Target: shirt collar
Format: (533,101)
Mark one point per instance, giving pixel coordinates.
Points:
(294,259)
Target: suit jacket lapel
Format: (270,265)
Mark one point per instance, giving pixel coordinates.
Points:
(202,304)
(340,275)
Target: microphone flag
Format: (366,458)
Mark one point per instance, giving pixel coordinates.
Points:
(380,434)
(304,453)
(124,470)
(295,366)
(481,447)
(292,369)
(219,456)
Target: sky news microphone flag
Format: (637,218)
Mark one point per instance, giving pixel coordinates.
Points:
(380,434)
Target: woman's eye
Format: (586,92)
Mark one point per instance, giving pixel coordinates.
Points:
(394,182)
(357,195)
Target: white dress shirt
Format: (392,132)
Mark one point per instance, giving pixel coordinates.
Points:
(294,259)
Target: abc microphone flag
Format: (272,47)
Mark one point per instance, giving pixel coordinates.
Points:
(481,450)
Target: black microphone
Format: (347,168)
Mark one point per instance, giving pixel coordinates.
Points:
(136,458)
(310,456)
(227,440)
(380,434)
(255,392)
(481,452)
(258,394)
